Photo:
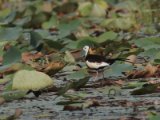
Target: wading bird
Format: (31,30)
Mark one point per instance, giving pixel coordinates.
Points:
(97,62)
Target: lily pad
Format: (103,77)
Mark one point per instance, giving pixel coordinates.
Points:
(146,89)
(13,95)
(147,43)
(116,70)
(7,16)
(69,57)
(13,55)
(31,80)
(106,36)
(78,75)
(66,29)
(10,33)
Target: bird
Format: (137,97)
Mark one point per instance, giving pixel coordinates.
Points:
(94,61)
(97,62)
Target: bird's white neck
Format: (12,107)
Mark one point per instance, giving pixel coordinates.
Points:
(86,52)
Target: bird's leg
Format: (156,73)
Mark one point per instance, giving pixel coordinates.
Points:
(97,72)
(103,74)
(102,79)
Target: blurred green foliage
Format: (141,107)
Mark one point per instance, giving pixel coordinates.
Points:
(60,25)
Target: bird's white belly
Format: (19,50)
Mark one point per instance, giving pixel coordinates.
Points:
(96,65)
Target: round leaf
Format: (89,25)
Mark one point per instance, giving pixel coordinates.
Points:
(31,80)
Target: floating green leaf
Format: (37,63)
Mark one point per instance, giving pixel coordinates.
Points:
(13,55)
(67,7)
(80,83)
(106,36)
(31,80)
(153,116)
(53,44)
(134,84)
(7,16)
(64,89)
(85,8)
(69,57)
(118,23)
(78,75)
(90,41)
(22,21)
(146,89)
(36,39)
(8,34)
(148,43)
(13,95)
(66,29)
(73,85)
(53,22)
(116,70)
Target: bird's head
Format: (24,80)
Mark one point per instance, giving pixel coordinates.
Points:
(86,49)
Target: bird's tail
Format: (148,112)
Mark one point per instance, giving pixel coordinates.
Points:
(111,61)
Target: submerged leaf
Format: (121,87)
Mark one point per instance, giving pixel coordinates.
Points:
(132,85)
(146,89)
(73,85)
(80,106)
(64,89)
(80,83)
(13,95)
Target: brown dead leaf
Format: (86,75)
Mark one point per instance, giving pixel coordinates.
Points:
(27,56)
(54,67)
(90,103)
(126,103)
(72,108)
(1,60)
(119,82)
(7,46)
(136,74)
(86,104)
(2,100)
(131,59)
(76,54)
(13,68)
(17,113)
(149,71)
(1,87)
(47,7)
